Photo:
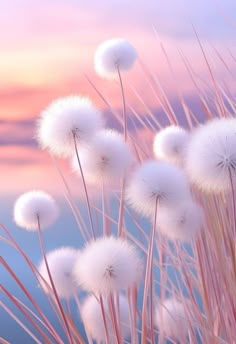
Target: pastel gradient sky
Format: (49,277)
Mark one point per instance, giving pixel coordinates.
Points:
(47,47)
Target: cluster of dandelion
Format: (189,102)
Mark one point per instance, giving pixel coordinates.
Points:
(183,188)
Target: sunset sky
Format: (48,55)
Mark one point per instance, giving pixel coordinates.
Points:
(47,47)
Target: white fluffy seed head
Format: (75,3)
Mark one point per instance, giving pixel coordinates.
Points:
(61,262)
(107,265)
(65,117)
(92,318)
(156,181)
(211,155)
(171,318)
(170,144)
(106,158)
(181,222)
(33,206)
(112,54)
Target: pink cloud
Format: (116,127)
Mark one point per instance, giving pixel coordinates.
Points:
(28,168)
(48,46)
(25,168)
(65,18)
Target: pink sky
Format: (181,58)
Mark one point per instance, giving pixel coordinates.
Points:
(47,46)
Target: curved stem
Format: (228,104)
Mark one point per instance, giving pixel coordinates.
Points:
(69,198)
(19,322)
(148,277)
(52,283)
(116,328)
(121,210)
(21,285)
(85,187)
(104,222)
(233,200)
(124,103)
(104,319)
(27,316)
(151,307)
(233,247)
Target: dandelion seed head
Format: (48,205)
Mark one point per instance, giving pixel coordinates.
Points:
(61,262)
(171,318)
(106,158)
(170,144)
(156,181)
(34,206)
(65,117)
(107,265)
(92,317)
(211,155)
(112,54)
(180,222)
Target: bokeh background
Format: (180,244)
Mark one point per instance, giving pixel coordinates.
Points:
(47,50)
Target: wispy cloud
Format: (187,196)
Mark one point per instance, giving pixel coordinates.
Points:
(17,133)
(172,18)
(48,46)
(25,168)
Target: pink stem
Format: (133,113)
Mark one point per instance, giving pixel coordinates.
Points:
(85,187)
(51,329)
(104,317)
(148,277)
(21,309)
(52,283)
(17,320)
(124,103)
(121,210)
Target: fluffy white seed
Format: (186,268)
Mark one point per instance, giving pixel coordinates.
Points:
(112,54)
(61,262)
(171,318)
(106,158)
(107,265)
(33,206)
(156,181)
(92,317)
(211,155)
(180,222)
(170,144)
(65,117)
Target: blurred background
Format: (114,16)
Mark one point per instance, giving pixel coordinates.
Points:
(47,50)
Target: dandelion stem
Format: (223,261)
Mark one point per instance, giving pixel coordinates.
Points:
(151,307)
(121,210)
(33,269)
(234,221)
(148,276)
(104,222)
(78,218)
(52,283)
(21,309)
(233,201)
(84,184)
(114,318)
(124,103)
(104,319)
